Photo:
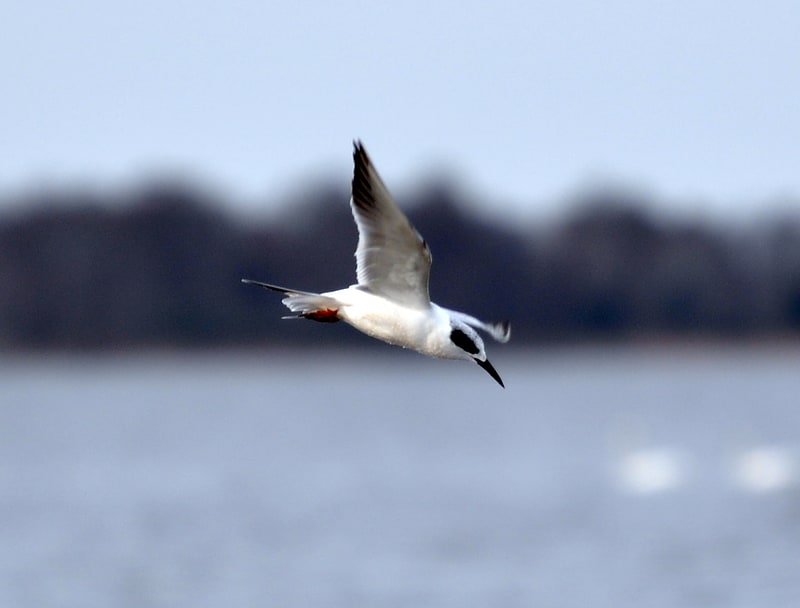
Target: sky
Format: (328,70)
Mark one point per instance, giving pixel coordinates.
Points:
(521,104)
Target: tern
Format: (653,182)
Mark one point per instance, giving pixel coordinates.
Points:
(390,301)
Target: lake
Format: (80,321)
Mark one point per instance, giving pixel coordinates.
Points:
(603,477)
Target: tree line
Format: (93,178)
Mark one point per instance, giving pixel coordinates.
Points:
(160,265)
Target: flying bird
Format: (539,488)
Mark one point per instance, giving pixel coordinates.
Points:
(390,301)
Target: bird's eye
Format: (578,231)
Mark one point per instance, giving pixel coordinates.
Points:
(463,341)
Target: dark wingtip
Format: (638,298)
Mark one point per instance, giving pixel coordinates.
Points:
(362,194)
(491,371)
(359,152)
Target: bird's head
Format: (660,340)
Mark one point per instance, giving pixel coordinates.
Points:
(468,345)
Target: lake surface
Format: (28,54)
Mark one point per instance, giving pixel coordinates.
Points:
(599,477)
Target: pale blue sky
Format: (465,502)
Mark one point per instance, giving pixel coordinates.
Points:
(523,102)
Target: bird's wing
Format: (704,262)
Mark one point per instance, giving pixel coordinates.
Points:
(392,259)
(500,330)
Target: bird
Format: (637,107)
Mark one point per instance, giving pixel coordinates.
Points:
(391,301)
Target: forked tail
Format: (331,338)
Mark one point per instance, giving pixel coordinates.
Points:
(306,304)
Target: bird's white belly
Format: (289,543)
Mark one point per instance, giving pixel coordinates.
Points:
(384,320)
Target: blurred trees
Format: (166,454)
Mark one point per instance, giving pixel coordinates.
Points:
(160,266)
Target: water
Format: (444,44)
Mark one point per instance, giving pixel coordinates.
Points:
(334,479)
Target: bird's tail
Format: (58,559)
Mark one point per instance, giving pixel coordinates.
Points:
(306,304)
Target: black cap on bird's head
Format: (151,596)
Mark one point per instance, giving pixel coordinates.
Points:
(465,338)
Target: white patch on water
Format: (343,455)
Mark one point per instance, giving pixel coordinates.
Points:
(652,470)
(765,469)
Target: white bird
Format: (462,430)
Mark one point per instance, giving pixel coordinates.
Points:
(390,302)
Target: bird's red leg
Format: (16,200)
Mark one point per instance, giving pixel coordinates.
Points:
(323,315)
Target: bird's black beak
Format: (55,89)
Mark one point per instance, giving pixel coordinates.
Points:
(491,371)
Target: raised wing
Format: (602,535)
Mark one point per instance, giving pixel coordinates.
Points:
(392,259)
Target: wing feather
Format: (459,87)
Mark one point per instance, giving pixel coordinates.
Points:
(392,258)
(499,330)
